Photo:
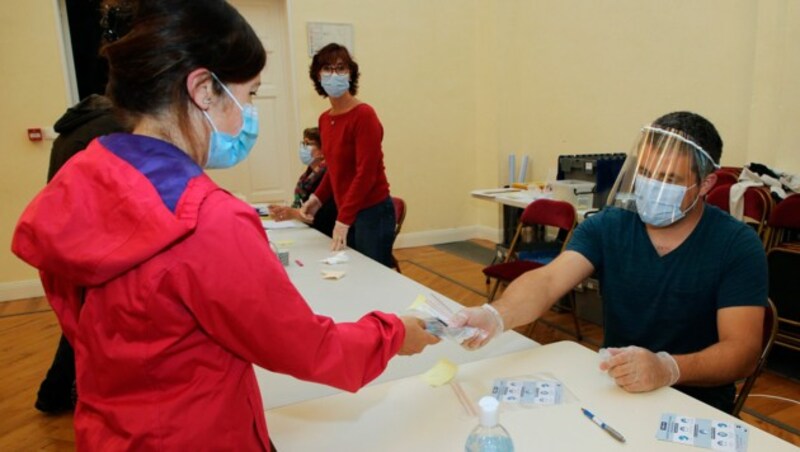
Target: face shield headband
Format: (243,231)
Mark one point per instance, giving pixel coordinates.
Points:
(661,170)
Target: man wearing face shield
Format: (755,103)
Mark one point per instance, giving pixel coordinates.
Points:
(684,284)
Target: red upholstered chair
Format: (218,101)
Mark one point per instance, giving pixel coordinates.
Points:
(725,177)
(542,212)
(720,196)
(757,206)
(400,216)
(784,219)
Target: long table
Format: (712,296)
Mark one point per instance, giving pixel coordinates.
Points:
(407,414)
(366,286)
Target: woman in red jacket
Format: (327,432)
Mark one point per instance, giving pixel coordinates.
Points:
(163,282)
(351,141)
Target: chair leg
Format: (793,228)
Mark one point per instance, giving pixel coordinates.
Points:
(494,291)
(530,328)
(396,264)
(574,309)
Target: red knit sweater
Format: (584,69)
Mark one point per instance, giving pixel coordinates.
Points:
(356,177)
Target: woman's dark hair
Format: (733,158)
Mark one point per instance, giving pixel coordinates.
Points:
(168,39)
(312,134)
(330,55)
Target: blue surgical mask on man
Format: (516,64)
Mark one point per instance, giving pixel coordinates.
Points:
(305,154)
(335,85)
(226,150)
(659,203)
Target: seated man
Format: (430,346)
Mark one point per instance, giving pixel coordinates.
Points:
(684,285)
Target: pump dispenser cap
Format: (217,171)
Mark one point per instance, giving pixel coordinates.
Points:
(488,405)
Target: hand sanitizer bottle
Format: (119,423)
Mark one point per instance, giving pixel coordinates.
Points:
(489,436)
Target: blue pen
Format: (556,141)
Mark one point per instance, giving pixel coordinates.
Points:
(614,434)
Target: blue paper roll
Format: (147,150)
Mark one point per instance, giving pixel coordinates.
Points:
(511,166)
(523,169)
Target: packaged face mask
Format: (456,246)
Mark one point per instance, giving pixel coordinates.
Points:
(440,329)
(437,316)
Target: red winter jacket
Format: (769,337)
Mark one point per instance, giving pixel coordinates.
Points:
(181,295)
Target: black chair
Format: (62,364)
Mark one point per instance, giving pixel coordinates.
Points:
(768,339)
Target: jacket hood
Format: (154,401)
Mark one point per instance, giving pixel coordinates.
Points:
(110,208)
(84,111)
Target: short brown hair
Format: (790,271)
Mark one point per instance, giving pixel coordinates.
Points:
(329,55)
(312,134)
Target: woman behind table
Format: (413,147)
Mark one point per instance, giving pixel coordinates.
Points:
(356,178)
(163,282)
(310,154)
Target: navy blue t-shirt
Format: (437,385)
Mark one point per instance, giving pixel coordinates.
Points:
(669,303)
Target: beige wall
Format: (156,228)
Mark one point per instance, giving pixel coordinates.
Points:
(417,60)
(459,84)
(34,94)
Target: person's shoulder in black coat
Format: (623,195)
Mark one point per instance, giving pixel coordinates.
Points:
(88,119)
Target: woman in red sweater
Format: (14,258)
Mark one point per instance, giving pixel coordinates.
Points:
(351,142)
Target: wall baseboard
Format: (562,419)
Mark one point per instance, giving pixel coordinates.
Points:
(435,237)
(16,290)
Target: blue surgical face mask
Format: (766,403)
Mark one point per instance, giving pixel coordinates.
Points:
(305,154)
(225,150)
(335,85)
(659,203)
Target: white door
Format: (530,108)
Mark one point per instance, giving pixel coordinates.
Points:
(268,174)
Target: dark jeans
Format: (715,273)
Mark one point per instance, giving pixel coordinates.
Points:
(372,234)
(325,218)
(55,393)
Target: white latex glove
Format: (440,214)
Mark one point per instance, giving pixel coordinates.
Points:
(310,208)
(636,369)
(339,236)
(486,318)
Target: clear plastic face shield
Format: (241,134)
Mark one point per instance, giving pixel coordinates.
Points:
(661,177)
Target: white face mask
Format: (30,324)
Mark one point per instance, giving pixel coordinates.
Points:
(225,150)
(305,154)
(659,203)
(335,85)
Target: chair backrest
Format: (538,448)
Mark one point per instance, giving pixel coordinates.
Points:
(549,212)
(757,208)
(767,340)
(785,216)
(399,213)
(783,262)
(725,177)
(757,205)
(735,170)
(545,212)
(720,196)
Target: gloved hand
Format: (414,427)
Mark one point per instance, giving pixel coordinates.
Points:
(339,236)
(310,208)
(636,369)
(486,318)
(417,338)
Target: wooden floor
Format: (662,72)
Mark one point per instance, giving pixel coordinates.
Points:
(29,334)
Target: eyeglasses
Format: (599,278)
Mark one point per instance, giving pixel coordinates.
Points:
(339,69)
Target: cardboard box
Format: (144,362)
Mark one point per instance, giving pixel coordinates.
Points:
(579,193)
